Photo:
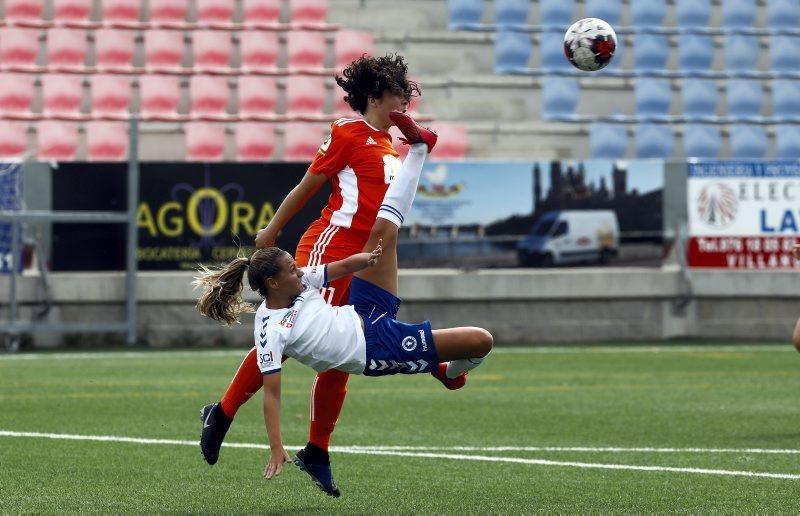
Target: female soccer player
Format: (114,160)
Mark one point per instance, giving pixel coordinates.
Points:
(361,338)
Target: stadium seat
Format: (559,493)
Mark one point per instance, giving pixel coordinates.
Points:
(653,97)
(62,95)
(13,139)
(214,12)
(168,12)
(654,141)
(695,53)
(785,98)
(351,45)
(205,141)
(648,13)
(783,56)
(106,141)
(699,98)
(302,139)
(608,10)
(159,96)
(111,95)
(121,11)
(255,141)
(693,13)
(163,49)
(66,48)
(701,141)
(261,12)
(745,98)
(23,10)
(738,13)
(747,141)
(465,14)
(512,50)
(305,50)
(72,10)
(511,13)
(453,141)
(258,50)
(308,12)
(305,95)
(18,47)
(787,141)
(783,14)
(741,52)
(607,141)
(556,13)
(551,49)
(16,93)
(212,50)
(258,96)
(114,49)
(650,52)
(56,141)
(559,97)
(209,95)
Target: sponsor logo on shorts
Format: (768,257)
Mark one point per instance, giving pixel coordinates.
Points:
(265,359)
(409,343)
(424,341)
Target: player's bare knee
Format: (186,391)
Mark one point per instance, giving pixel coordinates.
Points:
(483,342)
(796,342)
(384,230)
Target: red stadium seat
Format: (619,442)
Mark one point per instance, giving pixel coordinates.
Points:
(71,10)
(19,47)
(255,141)
(452,143)
(210,12)
(204,141)
(168,12)
(212,50)
(306,51)
(66,48)
(159,96)
(57,141)
(13,139)
(106,141)
(308,12)
(258,96)
(111,95)
(305,95)
(62,95)
(301,140)
(114,49)
(23,10)
(16,93)
(259,50)
(261,12)
(351,45)
(342,108)
(163,49)
(121,11)
(209,95)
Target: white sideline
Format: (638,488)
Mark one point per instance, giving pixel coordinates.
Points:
(365,450)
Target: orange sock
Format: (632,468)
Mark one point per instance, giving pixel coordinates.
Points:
(246,382)
(327,398)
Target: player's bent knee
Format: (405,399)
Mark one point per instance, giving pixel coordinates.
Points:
(385,230)
(796,342)
(483,342)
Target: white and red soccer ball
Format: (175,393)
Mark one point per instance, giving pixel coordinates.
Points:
(589,44)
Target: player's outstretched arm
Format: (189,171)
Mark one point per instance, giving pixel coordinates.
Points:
(354,263)
(272,419)
(294,202)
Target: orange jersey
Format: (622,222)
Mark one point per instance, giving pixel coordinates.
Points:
(361,162)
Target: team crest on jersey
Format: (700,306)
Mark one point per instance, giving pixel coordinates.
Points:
(288,319)
(327,143)
(391,165)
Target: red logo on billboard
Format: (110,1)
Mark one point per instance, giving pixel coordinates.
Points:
(717,204)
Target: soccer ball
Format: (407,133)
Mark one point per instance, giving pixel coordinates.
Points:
(589,44)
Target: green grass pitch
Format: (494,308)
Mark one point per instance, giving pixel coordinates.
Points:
(573,430)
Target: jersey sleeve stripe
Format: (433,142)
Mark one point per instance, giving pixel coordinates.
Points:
(392,210)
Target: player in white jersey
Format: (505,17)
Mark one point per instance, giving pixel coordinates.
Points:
(362,337)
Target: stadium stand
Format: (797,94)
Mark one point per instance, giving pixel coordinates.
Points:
(695,53)
(111,96)
(351,45)
(209,96)
(66,48)
(56,140)
(786,99)
(18,48)
(16,93)
(168,12)
(741,52)
(71,10)
(23,10)
(745,99)
(106,141)
(654,141)
(651,52)
(693,13)
(556,13)
(608,10)
(783,56)
(121,11)
(306,52)
(787,141)
(13,139)
(308,13)
(747,141)
(511,13)
(738,13)
(211,50)
(212,12)
(163,50)
(305,96)
(114,50)
(512,51)
(653,98)
(701,141)
(648,13)
(453,141)
(258,96)
(301,139)
(255,141)
(62,95)
(205,141)
(699,98)
(783,13)
(259,51)
(159,96)
(261,13)
(559,97)
(607,141)
(465,14)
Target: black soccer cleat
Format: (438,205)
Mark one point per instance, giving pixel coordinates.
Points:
(315,462)
(215,426)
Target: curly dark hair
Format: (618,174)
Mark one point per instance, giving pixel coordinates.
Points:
(368,77)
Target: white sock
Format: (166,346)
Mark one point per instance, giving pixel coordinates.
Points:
(456,367)
(400,194)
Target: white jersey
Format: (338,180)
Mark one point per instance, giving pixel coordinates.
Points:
(311,331)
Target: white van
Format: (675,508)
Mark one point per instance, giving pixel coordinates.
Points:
(570,236)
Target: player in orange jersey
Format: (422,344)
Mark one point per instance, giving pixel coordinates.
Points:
(360,161)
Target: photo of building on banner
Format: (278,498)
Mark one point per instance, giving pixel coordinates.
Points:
(743,215)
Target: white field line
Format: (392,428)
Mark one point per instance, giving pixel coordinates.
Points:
(364,450)
(511,350)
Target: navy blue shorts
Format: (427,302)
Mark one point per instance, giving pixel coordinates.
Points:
(392,346)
